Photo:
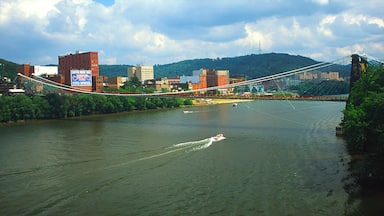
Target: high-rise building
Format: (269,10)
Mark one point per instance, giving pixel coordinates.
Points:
(143,73)
(82,67)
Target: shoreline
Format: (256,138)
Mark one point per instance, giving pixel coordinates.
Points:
(203,102)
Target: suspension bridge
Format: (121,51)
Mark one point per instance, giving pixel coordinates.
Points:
(281,77)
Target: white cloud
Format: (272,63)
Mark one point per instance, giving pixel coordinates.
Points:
(323,26)
(159,32)
(321,2)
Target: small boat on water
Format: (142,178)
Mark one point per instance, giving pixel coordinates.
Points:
(187,111)
(234,104)
(218,137)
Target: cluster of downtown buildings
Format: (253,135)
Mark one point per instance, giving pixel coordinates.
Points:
(80,70)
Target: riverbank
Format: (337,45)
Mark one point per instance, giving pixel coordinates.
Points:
(202,101)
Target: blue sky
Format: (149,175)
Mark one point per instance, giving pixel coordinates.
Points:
(165,31)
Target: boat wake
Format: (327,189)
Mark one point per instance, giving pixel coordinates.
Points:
(186,146)
(193,145)
(200,144)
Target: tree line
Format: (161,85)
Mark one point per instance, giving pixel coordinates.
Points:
(363,128)
(56,106)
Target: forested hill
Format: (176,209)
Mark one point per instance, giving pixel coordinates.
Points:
(252,66)
(114,70)
(8,69)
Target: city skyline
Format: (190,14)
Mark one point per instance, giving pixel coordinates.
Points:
(161,32)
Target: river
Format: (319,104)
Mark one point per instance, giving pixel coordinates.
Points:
(278,158)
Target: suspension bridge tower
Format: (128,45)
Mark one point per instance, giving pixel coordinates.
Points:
(359,66)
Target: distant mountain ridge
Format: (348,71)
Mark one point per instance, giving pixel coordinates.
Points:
(251,66)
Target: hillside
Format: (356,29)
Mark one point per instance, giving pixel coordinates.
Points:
(252,66)
(114,70)
(8,69)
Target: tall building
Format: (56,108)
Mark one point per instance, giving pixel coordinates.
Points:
(143,73)
(80,69)
(131,72)
(217,78)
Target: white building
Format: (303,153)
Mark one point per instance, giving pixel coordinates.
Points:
(143,73)
(45,70)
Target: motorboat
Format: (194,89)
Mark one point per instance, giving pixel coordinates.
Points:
(218,137)
(234,104)
(187,111)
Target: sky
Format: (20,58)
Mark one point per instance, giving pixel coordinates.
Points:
(150,32)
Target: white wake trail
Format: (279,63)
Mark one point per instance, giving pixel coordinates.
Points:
(186,146)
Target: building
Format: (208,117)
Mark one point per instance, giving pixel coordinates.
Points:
(97,83)
(25,69)
(116,82)
(330,76)
(47,71)
(308,76)
(131,72)
(198,80)
(143,73)
(79,66)
(6,85)
(218,78)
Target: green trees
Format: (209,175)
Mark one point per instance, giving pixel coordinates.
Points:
(16,108)
(51,106)
(363,126)
(331,87)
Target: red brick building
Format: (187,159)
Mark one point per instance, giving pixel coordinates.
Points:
(25,69)
(202,84)
(217,78)
(81,61)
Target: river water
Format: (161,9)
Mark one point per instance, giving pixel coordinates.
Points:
(278,158)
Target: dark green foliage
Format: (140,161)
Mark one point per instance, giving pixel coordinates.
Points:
(52,106)
(188,102)
(329,87)
(114,70)
(8,69)
(133,82)
(363,126)
(365,108)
